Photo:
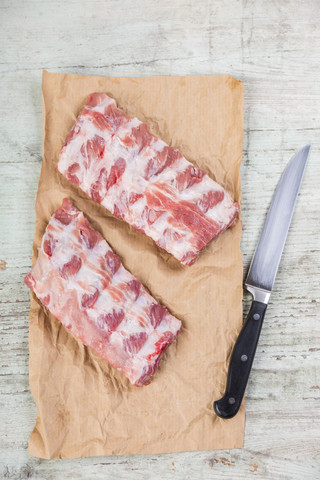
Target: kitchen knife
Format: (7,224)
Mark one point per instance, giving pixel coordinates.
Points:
(260,280)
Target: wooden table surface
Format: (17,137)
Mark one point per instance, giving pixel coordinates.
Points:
(274,48)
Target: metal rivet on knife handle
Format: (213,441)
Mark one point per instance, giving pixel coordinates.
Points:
(256,316)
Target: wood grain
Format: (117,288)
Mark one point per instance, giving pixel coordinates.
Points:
(274,49)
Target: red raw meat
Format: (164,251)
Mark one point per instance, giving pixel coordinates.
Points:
(84,285)
(116,161)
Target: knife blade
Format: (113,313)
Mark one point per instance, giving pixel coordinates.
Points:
(260,280)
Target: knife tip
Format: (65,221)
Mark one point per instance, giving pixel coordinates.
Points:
(307,148)
(303,154)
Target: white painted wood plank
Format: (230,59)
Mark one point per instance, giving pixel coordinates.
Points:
(273,48)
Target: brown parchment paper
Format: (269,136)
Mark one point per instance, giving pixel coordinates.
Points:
(84,406)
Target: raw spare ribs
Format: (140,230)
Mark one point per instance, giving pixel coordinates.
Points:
(116,161)
(83,283)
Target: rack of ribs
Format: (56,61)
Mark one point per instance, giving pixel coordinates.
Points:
(118,163)
(84,285)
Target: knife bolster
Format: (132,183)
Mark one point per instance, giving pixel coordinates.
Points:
(259,294)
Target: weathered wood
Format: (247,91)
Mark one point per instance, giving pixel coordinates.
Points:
(273,47)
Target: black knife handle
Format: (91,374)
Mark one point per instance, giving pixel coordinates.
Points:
(241,362)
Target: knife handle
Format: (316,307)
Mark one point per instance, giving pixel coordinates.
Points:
(241,362)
